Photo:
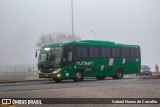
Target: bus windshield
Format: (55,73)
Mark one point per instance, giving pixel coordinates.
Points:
(52,55)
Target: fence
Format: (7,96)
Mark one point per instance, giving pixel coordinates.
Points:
(18,72)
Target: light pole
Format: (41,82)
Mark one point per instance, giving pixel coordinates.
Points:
(94,34)
(72,17)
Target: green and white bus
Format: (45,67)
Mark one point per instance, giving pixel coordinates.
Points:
(88,58)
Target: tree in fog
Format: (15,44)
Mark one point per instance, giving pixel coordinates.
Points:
(55,38)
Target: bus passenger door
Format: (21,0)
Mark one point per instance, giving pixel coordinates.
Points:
(68,61)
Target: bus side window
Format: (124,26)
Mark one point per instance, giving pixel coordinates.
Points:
(113,53)
(137,52)
(118,50)
(123,53)
(133,53)
(108,52)
(128,55)
(97,52)
(85,52)
(79,52)
(103,52)
(91,52)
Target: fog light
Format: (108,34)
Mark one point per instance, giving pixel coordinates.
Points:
(58,75)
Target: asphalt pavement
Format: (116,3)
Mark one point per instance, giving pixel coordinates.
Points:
(128,87)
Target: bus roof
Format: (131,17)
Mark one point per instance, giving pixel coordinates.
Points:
(89,43)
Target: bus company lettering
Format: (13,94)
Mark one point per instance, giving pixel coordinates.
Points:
(84,63)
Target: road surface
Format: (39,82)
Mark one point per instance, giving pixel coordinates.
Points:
(130,87)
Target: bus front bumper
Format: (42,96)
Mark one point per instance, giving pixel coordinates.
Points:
(46,75)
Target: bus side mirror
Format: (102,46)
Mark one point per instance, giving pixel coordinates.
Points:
(36,54)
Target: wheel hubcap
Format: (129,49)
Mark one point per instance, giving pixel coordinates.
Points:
(119,74)
(78,75)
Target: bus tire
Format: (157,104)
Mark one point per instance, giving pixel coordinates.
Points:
(78,76)
(119,74)
(101,78)
(57,80)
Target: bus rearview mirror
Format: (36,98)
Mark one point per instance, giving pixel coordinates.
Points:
(36,54)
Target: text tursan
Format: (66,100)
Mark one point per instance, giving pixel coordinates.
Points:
(84,63)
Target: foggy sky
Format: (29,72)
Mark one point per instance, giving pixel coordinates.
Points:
(122,21)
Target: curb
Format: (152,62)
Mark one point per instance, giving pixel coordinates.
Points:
(15,81)
(153,77)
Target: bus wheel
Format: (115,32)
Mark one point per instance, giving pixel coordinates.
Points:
(78,76)
(101,78)
(57,80)
(119,74)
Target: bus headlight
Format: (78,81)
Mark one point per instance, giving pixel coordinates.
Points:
(39,72)
(46,49)
(56,71)
(58,75)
